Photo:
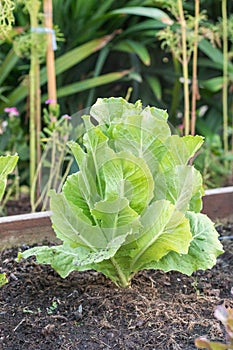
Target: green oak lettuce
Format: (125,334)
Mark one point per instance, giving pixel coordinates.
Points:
(135,201)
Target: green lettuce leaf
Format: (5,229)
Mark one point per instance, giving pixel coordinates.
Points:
(7,165)
(107,110)
(204,248)
(182,186)
(128,176)
(180,150)
(65,259)
(142,136)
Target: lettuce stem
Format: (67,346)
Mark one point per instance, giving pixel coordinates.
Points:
(124,282)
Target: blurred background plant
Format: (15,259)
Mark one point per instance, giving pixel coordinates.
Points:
(174,54)
(13,139)
(56,160)
(224,314)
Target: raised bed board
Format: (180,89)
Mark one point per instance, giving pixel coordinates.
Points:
(218,203)
(36,227)
(25,229)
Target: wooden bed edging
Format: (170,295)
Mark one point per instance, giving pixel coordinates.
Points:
(36,227)
(218,203)
(25,229)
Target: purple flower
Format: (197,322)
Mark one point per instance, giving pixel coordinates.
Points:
(49,101)
(12,111)
(53,119)
(66,116)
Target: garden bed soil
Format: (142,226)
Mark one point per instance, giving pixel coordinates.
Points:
(41,311)
(18,206)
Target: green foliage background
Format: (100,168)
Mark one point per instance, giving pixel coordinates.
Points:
(107,50)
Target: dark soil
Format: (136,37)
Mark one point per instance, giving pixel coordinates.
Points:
(18,206)
(39,310)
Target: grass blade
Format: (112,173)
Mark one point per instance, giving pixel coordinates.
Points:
(90,83)
(150,12)
(135,47)
(7,65)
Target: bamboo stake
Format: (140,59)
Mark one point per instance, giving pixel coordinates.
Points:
(225,76)
(195,94)
(38,126)
(34,96)
(185,67)
(48,13)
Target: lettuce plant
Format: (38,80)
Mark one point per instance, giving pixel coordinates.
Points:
(135,201)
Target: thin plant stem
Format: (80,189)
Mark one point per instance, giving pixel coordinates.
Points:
(225,76)
(50,63)
(52,165)
(123,280)
(35,202)
(128,93)
(38,124)
(195,94)
(40,199)
(34,93)
(32,123)
(184,66)
(176,88)
(57,174)
(66,173)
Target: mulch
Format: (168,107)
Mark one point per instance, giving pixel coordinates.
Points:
(160,311)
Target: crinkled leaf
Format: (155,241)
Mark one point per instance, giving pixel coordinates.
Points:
(111,220)
(78,153)
(80,190)
(128,176)
(107,110)
(203,250)
(157,113)
(114,214)
(98,153)
(180,150)
(164,229)
(144,136)
(182,186)
(72,226)
(65,259)
(116,218)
